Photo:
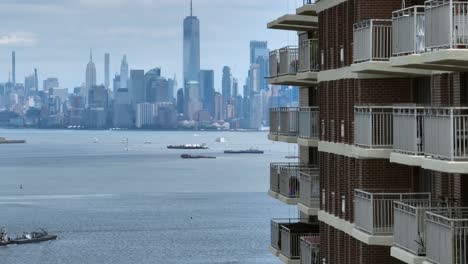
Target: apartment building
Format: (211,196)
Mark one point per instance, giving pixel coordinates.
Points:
(382,130)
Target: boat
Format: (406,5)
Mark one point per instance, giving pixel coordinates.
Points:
(7,141)
(34,237)
(96,140)
(147,142)
(4,238)
(248,151)
(291,157)
(188,146)
(187,156)
(220,140)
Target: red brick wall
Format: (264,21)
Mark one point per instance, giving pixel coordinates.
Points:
(446,89)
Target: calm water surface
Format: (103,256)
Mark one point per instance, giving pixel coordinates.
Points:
(144,205)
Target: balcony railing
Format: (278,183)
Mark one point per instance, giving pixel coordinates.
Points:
(446,133)
(309,121)
(446,24)
(408,130)
(310,250)
(447,236)
(372,40)
(408,31)
(289,121)
(410,224)
(274,121)
(288,241)
(308,2)
(288,60)
(373,127)
(309,55)
(373,211)
(309,187)
(285,178)
(274,63)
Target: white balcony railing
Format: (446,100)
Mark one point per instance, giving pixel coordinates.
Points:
(373,127)
(289,121)
(285,177)
(274,63)
(308,2)
(446,133)
(309,187)
(291,241)
(373,211)
(274,121)
(408,31)
(372,40)
(309,55)
(309,121)
(408,130)
(286,233)
(446,24)
(288,60)
(447,236)
(310,250)
(410,225)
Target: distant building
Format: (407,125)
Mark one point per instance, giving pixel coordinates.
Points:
(157,87)
(107,70)
(98,97)
(137,86)
(90,78)
(226,84)
(124,72)
(180,101)
(193,101)
(207,90)
(218,103)
(145,115)
(50,83)
(191,48)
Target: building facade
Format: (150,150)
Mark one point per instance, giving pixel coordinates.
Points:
(381,175)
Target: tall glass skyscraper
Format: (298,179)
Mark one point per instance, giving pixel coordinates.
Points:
(191,48)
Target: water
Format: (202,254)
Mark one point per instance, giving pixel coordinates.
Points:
(144,205)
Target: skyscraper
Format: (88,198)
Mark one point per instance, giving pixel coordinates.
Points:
(207,90)
(107,70)
(90,77)
(191,51)
(124,73)
(36,81)
(259,67)
(13,68)
(226,84)
(258,49)
(235,87)
(137,86)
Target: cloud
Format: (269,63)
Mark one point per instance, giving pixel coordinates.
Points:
(17,39)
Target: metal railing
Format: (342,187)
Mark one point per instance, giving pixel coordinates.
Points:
(446,133)
(372,40)
(408,129)
(310,250)
(373,211)
(288,60)
(308,2)
(309,187)
(446,24)
(309,122)
(373,126)
(288,121)
(278,224)
(274,121)
(410,225)
(408,31)
(289,180)
(274,63)
(290,242)
(309,55)
(447,236)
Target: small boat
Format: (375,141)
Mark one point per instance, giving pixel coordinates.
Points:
(123,141)
(248,151)
(4,238)
(147,142)
(187,156)
(188,146)
(96,140)
(34,237)
(291,157)
(220,140)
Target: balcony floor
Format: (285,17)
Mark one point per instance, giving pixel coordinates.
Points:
(290,79)
(372,239)
(294,22)
(385,68)
(282,198)
(307,10)
(305,142)
(308,210)
(287,260)
(406,256)
(443,60)
(284,139)
(429,163)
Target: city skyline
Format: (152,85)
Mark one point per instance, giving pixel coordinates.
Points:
(33,52)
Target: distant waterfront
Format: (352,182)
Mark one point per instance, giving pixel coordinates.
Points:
(144,205)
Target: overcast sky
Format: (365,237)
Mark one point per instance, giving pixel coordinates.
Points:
(56,35)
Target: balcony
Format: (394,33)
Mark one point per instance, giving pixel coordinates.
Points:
(309,191)
(309,122)
(372,40)
(373,131)
(446,133)
(284,66)
(286,238)
(285,181)
(374,214)
(433,36)
(447,236)
(305,19)
(308,8)
(309,60)
(310,250)
(284,124)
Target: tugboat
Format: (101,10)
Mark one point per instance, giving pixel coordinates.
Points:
(248,151)
(187,156)
(4,238)
(34,237)
(188,146)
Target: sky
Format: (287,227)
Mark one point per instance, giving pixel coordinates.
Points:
(55,36)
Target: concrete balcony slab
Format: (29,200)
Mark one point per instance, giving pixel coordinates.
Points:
(287,260)
(290,79)
(405,159)
(371,153)
(307,10)
(305,142)
(287,200)
(372,240)
(385,68)
(406,256)
(444,60)
(294,22)
(307,210)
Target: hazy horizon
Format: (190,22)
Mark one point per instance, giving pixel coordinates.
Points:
(56,36)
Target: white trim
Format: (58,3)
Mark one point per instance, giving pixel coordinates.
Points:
(372,240)
(336,222)
(409,160)
(445,166)
(307,210)
(336,148)
(307,142)
(406,256)
(346,73)
(371,153)
(384,67)
(287,200)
